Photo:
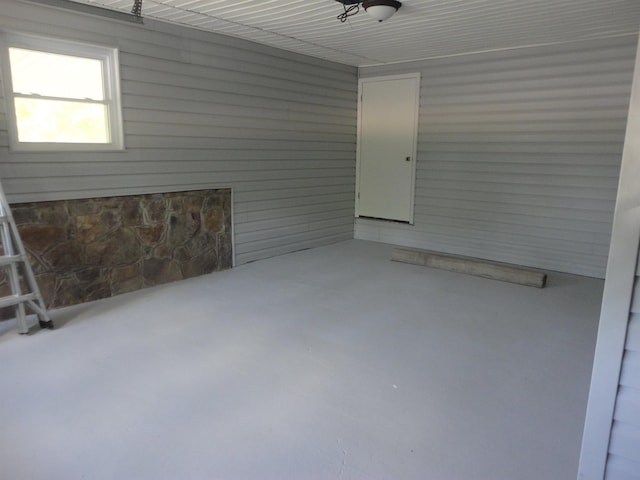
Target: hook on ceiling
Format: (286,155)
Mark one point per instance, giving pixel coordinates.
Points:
(137,8)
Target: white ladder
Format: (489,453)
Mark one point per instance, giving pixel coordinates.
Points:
(13,256)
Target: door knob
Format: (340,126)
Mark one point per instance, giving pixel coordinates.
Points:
(408,159)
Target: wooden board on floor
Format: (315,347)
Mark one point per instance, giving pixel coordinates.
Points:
(471,266)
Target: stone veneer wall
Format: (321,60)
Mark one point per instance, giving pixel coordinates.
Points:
(83,250)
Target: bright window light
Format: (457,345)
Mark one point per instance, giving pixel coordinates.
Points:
(63,95)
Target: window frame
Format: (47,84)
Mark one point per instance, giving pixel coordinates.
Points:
(111,82)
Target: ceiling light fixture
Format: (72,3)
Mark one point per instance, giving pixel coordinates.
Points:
(380,10)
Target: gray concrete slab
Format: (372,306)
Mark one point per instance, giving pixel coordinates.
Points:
(332,363)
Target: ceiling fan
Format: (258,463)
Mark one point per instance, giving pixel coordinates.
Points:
(380,10)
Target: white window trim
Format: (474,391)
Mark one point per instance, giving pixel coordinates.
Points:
(109,58)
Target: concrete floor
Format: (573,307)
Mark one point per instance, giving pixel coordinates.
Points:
(332,363)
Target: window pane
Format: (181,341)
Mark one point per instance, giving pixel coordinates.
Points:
(61,121)
(53,75)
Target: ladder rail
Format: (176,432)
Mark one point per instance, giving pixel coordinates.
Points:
(10,259)
(14,280)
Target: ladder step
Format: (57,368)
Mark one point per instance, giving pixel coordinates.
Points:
(9,259)
(16,299)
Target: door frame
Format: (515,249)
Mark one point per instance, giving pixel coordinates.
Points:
(361,82)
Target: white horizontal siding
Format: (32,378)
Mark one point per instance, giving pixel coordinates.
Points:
(624,442)
(203,110)
(619,468)
(624,461)
(624,447)
(518,154)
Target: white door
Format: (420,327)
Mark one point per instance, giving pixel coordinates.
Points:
(387,139)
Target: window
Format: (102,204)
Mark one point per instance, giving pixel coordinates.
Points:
(61,95)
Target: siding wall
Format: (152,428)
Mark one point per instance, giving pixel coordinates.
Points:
(623,462)
(206,111)
(518,154)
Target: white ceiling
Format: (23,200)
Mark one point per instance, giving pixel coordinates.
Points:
(420,29)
